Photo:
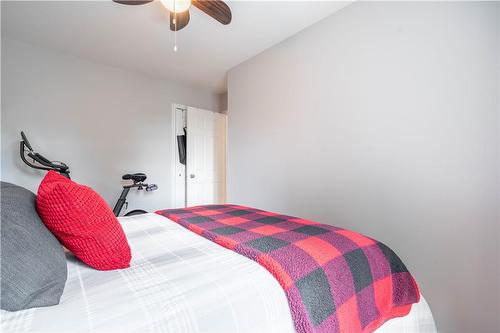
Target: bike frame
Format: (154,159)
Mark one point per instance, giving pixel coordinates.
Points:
(121,201)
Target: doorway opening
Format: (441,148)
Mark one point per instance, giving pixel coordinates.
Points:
(199,156)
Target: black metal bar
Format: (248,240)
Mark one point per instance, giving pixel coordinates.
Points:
(121,201)
(26,161)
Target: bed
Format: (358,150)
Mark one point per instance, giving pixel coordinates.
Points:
(178,281)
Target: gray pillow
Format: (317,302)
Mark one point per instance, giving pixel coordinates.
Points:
(33,263)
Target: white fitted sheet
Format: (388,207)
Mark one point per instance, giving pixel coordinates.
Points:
(178,282)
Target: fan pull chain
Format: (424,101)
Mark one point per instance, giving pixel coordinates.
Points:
(175,38)
(175,32)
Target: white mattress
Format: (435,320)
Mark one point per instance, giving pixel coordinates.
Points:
(178,282)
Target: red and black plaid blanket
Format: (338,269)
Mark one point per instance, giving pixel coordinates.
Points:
(335,280)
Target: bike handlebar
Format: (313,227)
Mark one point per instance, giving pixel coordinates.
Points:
(45,163)
(26,142)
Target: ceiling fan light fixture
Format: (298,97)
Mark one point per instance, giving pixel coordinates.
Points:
(176,6)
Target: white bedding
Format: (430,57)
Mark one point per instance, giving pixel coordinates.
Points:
(178,281)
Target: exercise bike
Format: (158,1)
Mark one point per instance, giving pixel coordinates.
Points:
(134,180)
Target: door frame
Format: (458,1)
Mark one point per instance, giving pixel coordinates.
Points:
(174,154)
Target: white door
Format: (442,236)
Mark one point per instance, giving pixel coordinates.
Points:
(206,157)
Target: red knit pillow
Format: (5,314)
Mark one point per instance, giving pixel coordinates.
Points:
(83,222)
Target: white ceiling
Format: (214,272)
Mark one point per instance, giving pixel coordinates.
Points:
(138,37)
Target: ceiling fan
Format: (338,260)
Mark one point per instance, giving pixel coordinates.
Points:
(179,10)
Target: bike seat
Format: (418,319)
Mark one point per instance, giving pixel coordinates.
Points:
(136,177)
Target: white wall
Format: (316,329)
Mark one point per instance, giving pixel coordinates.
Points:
(102,121)
(384,118)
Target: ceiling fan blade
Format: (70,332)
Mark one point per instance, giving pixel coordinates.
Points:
(133,2)
(181,18)
(215,8)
